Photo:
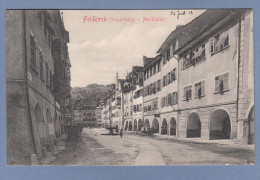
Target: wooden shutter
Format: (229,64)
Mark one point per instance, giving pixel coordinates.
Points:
(184,94)
(196,92)
(202,88)
(212,46)
(173,99)
(176,97)
(217,84)
(226,81)
(190,93)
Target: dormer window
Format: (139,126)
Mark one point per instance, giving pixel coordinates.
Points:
(219,42)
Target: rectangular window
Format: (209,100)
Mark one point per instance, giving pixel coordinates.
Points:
(41,65)
(173,74)
(187,93)
(169,97)
(159,66)
(151,71)
(168,54)
(33,52)
(169,78)
(154,69)
(154,88)
(199,89)
(222,83)
(173,47)
(164,59)
(47,74)
(221,41)
(174,98)
(159,85)
(163,102)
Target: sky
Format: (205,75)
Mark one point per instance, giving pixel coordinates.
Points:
(99,48)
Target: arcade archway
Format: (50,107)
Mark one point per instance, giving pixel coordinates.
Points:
(135,125)
(155,125)
(220,126)
(164,127)
(173,127)
(140,124)
(193,126)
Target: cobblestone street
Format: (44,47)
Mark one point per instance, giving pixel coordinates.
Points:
(156,150)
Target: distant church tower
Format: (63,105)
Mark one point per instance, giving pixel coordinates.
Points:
(117,81)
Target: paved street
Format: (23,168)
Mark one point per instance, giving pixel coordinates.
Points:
(137,149)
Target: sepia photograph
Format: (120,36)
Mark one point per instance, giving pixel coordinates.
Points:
(172,87)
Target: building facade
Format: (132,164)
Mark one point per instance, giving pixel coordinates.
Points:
(201,83)
(33,111)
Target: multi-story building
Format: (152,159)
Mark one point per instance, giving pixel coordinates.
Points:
(169,85)
(85,112)
(208,102)
(201,83)
(34,115)
(151,93)
(133,101)
(106,114)
(98,116)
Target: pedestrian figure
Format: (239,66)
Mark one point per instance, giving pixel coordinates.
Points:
(121,132)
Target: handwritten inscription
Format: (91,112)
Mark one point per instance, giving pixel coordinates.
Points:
(179,13)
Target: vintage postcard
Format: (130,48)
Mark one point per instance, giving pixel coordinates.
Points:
(130,87)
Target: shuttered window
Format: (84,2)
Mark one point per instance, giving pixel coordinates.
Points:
(158,85)
(199,89)
(222,83)
(33,51)
(187,93)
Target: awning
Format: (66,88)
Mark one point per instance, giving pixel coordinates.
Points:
(222,40)
(198,54)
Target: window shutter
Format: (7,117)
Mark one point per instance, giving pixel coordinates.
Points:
(196,93)
(212,46)
(202,88)
(173,98)
(226,81)
(166,100)
(217,84)
(190,93)
(176,98)
(184,94)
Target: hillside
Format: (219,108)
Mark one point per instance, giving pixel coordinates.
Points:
(91,91)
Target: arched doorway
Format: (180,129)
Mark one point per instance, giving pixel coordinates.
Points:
(130,126)
(164,127)
(147,125)
(126,126)
(173,127)
(50,126)
(220,126)
(193,126)
(140,124)
(155,125)
(251,126)
(135,125)
(40,122)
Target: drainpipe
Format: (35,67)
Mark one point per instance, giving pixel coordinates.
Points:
(26,78)
(238,67)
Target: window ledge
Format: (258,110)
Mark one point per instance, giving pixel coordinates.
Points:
(199,97)
(220,50)
(222,91)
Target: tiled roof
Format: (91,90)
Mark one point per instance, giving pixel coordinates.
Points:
(197,26)
(137,68)
(153,60)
